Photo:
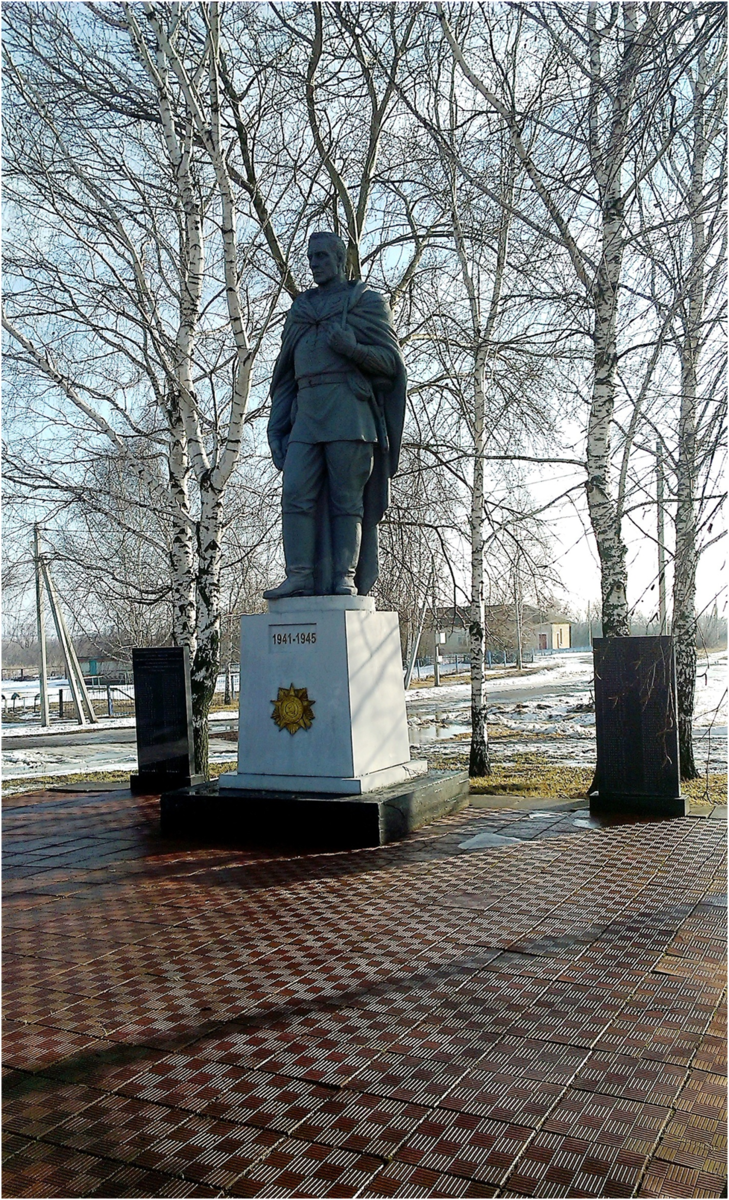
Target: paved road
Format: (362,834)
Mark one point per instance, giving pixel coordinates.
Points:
(84,737)
(509,692)
(31,755)
(107,736)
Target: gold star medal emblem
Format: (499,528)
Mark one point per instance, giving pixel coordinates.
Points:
(292,709)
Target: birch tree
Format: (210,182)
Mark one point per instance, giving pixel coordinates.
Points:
(685,247)
(128,249)
(585,151)
(486,345)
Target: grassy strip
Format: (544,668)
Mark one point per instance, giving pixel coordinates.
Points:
(534,775)
(39,783)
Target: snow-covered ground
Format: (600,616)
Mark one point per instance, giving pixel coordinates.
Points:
(109,745)
(28,762)
(552,711)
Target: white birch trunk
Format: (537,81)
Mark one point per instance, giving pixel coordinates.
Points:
(607,165)
(479,761)
(207,655)
(601,503)
(182,545)
(686,558)
(684,580)
(211,476)
(601,289)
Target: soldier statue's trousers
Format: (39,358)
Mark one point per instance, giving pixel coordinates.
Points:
(346,465)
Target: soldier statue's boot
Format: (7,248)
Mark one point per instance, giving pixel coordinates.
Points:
(299,537)
(346,541)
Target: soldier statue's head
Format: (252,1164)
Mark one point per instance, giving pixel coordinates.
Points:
(327,255)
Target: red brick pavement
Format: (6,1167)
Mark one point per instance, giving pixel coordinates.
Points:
(540,1018)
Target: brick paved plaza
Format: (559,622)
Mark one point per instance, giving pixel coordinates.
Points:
(540,1017)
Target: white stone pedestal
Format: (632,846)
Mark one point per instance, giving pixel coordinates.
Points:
(342,658)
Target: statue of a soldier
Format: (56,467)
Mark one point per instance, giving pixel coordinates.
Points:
(337,412)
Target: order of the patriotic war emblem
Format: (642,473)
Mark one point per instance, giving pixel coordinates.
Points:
(292,709)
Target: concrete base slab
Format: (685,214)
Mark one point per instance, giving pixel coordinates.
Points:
(622,804)
(152,783)
(207,812)
(318,784)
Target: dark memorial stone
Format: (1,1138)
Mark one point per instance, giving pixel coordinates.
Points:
(636,727)
(163,705)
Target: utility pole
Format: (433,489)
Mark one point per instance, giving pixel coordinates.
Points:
(661,540)
(517,612)
(44,710)
(84,707)
(436,635)
(416,640)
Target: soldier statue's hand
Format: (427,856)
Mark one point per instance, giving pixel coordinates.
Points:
(278,454)
(342,341)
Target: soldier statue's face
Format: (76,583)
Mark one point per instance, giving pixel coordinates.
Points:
(324,263)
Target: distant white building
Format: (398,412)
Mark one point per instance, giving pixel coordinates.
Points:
(553,635)
(537,635)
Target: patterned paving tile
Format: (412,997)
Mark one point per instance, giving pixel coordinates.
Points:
(38,1105)
(403,1179)
(634,1078)
(135,1181)
(45,1170)
(672,1179)
(567,1166)
(463,1144)
(611,1120)
(520,1101)
(695,1142)
(296,1168)
(411,1020)
(366,1123)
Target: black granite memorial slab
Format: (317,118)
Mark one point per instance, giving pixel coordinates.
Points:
(636,727)
(163,707)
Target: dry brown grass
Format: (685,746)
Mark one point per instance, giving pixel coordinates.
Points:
(534,775)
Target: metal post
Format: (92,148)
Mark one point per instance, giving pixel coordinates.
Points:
(75,678)
(517,613)
(60,702)
(109,702)
(416,642)
(661,540)
(40,613)
(436,633)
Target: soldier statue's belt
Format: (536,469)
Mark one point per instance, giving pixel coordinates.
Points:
(306,381)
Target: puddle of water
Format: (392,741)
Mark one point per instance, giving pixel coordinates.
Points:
(482,840)
(420,735)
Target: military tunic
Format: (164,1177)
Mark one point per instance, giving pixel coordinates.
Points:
(333,395)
